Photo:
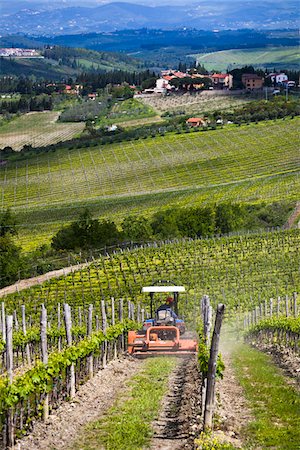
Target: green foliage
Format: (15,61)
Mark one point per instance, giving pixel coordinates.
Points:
(86,233)
(8,223)
(207,441)
(274,402)
(288,324)
(136,228)
(10,253)
(229,217)
(40,378)
(203,356)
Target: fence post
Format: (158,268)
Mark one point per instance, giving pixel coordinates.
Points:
(3,322)
(90,359)
(122,340)
(295,304)
(206,317)
(129,309)
(271,307)
(287,306)
(59,325)
(104,327)
(278,306)
(9,366)
(44,348)
(212,366)
(24,332)
(68,325)
(113,322)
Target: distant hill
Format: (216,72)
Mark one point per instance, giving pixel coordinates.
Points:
(159,48)
(279,58)
(38,19)
(61,62)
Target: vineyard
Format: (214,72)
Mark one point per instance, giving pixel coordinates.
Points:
(252,164)
(238,269)
(199,103)
(102,300)
(37,129)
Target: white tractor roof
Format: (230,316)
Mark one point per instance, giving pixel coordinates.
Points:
(163,289)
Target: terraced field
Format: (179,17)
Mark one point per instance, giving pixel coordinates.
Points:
(254,163)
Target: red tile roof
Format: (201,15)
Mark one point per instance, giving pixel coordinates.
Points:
(195,119)
(219,75)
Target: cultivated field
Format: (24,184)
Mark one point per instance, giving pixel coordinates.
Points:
(239,271)
(37,129)
(197,103)
(254,163)
(272,57)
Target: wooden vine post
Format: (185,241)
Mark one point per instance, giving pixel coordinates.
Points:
(27,349)
(122,340)
(206,318)
(44,356)
(113,322)
(90,359)
(68,325)
(9,367)
(104,328)
(295,312)
(212,366)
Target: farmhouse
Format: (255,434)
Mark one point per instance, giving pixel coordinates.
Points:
(196,122)
(162,86)
(252,81)
(222,80)
(278,78)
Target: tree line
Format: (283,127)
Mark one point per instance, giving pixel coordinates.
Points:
(26,103)
(193,222)
(88,234)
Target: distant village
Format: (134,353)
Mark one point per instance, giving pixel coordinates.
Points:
(172,80)
(19,53)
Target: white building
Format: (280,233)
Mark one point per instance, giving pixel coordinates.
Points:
(279,78)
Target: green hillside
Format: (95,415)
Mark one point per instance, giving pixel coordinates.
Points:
(235,270)
(62,62)
(252,163)
(269,57)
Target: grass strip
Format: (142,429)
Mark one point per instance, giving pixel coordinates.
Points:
(127,425)
(275,404)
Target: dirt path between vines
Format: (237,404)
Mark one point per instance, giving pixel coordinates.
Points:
(233,412)
(29,282)
(92,400)
(179,421)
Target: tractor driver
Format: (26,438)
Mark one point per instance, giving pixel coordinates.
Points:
(168,306)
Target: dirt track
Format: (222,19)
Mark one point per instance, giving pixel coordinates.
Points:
(29,282)
(179,421)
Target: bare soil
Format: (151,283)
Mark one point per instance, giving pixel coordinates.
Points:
(232,412)
(180,418)
(92,400)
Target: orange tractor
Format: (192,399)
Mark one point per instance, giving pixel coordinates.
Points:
(162,333)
